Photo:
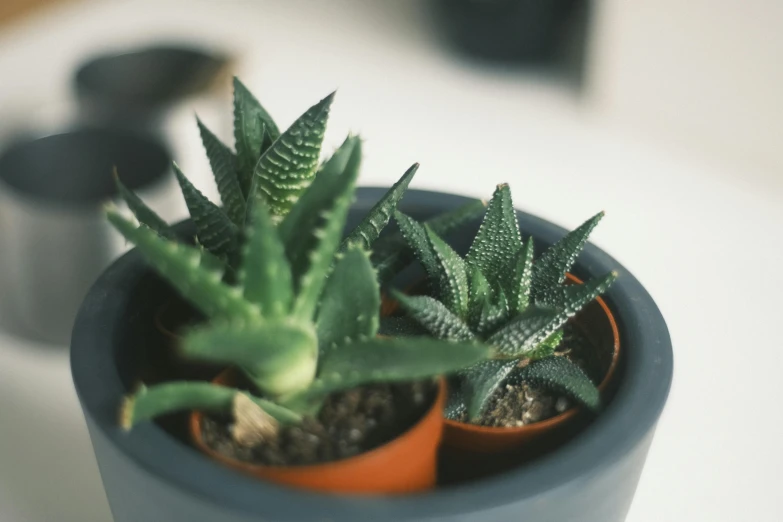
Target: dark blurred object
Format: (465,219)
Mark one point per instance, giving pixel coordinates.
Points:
(531,31)
(54,239)
(135,88)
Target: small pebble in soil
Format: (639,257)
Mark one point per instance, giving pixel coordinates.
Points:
(349,423)
(516,405)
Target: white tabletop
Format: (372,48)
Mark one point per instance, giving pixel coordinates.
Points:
(701,238)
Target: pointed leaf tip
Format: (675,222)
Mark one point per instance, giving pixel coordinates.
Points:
(224,169)
(254,129)
(551,268)
(215,229)
(497,241)
(288,166)
(141,212)
(371,226)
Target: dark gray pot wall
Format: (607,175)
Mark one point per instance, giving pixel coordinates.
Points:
(150,476)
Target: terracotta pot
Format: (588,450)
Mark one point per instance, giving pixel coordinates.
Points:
(406,464)
(600,326)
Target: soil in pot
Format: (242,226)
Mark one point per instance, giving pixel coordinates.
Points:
(349,424)
(403,442)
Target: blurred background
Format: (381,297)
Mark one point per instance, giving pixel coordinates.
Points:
(665,114)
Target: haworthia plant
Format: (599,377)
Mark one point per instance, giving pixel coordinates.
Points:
(301,317)
(270,166)
(499,297)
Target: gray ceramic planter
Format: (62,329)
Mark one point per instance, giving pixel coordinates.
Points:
(150,476)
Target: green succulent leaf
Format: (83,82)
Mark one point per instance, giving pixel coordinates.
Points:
(172,397)
(456,402)
(391,253)
(267,139)
(572,298)
(288,166)
(251,122)
(265,275)
(224,168)
(498,240)
(189,270)
(547,347)
(435,317)
(562,376)
(488,308)
(142,212)
(374,222)
(330,218)
(522,269)
(522,334)
(453,282)
(494,313)
(445,269)
(442,224)
(551,268)
(214,228)
(389,360)
(416,236)
(396,326)
(479,383)
(348,309)
(334,178)
(480,292)
(279,356)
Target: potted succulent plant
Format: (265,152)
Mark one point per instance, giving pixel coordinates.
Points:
(267,397)
(301,322)
(499,297)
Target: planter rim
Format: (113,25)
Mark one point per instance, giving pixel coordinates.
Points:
(622,426)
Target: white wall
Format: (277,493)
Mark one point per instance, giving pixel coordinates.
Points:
(703,75)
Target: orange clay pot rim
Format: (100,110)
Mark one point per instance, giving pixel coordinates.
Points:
(435,410)
(571,411)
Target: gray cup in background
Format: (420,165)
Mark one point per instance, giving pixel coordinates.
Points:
(137,88)
(54,239)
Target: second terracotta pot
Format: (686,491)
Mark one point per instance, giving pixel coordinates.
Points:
(406,464)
